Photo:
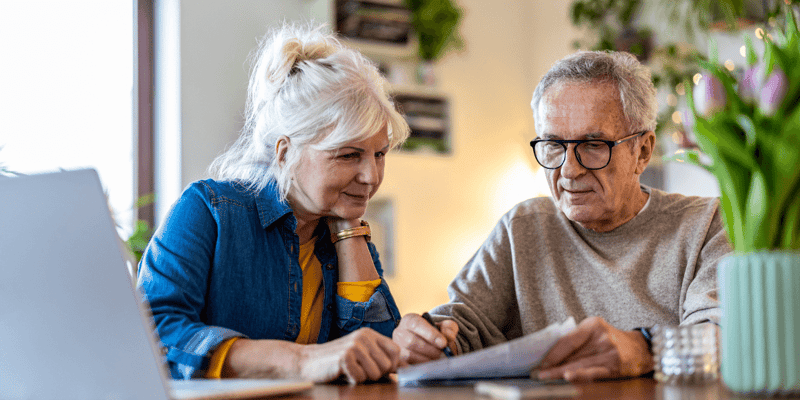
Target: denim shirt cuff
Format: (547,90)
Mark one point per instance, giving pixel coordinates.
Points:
(192,360)
(353,314)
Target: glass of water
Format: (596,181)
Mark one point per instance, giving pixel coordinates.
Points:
(686,354)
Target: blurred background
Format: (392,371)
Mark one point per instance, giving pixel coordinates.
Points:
(150,92)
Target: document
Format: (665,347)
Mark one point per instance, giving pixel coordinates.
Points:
(511,359)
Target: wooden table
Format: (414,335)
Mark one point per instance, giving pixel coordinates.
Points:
(638,388)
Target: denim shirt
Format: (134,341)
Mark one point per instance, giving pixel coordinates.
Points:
(225,264)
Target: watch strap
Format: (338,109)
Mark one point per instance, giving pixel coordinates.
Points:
(647,333)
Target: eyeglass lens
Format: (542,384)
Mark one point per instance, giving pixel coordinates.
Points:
(591,154)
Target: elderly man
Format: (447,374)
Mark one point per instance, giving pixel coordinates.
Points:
(618,256)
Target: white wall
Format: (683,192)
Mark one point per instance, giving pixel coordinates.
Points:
(446,206)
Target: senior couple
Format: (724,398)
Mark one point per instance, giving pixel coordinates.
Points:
(267,270)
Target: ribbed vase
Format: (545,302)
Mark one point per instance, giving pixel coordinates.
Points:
(760,297)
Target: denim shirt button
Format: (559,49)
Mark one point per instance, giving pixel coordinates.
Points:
(330,307)
(329,267)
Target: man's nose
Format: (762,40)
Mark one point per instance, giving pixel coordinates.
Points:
(571,168)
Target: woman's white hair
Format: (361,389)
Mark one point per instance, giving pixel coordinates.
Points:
(307,86)
(632,79)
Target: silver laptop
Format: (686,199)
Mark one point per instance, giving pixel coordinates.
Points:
(71,324)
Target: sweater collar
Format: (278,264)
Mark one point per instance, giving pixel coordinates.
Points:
(641,218)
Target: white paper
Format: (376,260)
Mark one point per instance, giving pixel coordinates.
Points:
(514,358)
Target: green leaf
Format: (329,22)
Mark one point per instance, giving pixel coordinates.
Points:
(145,200)
(716,133)
(752,59)
(756,213)
(139,239)
(749,129)
(790,237)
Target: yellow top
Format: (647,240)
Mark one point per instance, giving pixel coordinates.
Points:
(310,308)
(313,295)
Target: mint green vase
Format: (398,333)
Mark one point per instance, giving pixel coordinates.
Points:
(760,297)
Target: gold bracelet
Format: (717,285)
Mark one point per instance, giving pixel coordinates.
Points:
(362,230)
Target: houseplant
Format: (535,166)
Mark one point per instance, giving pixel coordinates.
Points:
(748,126)
(435,23)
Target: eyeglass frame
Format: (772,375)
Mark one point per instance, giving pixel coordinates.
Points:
(564,143)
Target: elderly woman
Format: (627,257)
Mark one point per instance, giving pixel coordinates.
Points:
(267,270)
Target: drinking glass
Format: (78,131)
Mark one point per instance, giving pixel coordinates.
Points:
(686,354)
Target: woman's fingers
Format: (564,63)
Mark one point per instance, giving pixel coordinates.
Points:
(368,355)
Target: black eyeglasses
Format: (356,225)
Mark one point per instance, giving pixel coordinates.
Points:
(590,153)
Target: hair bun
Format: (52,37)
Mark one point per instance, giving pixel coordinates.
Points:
(297,48)
(290,53)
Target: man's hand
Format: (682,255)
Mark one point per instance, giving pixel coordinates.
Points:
(419,341)
(596,350)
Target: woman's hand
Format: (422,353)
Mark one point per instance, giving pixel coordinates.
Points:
(420,341)
(358,357)
(364,355)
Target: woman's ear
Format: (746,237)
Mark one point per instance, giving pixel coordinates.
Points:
(281,148)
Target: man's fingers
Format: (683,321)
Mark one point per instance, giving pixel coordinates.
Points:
(449,329)
(430,333)
(565,347)
(418,346)
(602,364)
(587,374)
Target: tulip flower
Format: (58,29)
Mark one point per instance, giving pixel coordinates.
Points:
(751,83)
(709,95)
(773,91)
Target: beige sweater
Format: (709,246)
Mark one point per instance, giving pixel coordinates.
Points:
(537,267)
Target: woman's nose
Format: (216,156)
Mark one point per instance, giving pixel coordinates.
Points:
(369,173)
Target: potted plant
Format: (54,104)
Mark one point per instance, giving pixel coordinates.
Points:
(435,23)
(748,126)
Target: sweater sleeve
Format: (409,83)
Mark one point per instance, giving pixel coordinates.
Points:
(482,295)
(701,303)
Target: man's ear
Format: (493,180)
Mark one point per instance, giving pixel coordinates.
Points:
(281,148)
(646,147)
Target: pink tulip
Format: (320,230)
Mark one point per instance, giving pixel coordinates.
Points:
(709,95)
(773,91)
(751,83)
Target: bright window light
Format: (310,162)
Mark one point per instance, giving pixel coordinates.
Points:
(67,91)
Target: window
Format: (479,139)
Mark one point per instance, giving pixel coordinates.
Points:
(67,92)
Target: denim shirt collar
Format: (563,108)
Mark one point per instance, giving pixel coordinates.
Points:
(272,210)
(270,207)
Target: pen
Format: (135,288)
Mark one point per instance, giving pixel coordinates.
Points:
(447,352)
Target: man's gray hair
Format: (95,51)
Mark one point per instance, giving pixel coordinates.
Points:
(307,86)
(632,79)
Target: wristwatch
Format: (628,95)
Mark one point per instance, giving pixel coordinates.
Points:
(648,337)
(362,230)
